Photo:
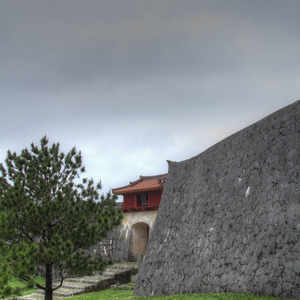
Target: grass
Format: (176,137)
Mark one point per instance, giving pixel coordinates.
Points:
(118,294)
(23,289)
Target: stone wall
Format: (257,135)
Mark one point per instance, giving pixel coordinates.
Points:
(113,248)
(229,218)
(117,246)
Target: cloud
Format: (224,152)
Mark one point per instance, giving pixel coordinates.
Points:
(135,83)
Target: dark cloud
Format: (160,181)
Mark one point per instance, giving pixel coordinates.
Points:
(134,83)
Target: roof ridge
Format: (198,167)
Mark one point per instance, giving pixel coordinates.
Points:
(142,178)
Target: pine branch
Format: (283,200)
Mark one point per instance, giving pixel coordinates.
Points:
(61,280)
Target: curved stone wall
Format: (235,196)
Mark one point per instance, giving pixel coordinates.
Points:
(229,218)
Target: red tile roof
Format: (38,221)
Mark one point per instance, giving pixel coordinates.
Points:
(144,183)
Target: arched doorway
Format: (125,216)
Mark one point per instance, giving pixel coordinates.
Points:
(138,240)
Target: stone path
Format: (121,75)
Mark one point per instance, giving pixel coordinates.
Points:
(119,273)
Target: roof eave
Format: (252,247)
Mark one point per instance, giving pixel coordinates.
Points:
(120,192)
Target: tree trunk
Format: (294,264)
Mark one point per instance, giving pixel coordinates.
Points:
(49,291)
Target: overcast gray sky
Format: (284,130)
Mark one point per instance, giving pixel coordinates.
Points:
(133,83)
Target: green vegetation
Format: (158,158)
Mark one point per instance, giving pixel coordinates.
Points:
(49,215)
(118,294)
(18,288)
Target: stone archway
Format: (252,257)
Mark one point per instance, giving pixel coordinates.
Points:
(138,241)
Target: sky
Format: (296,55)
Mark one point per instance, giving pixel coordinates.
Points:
(133,83)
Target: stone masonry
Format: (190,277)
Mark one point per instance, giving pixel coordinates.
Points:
(229,218)
(117,246)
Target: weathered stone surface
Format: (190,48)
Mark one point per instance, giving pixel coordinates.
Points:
(116,274)
(119,244)
(229,218)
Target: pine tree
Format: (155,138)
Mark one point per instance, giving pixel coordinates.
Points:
(49,215)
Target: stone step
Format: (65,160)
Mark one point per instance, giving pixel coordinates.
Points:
(127,265)
(115,269)
(84,280)
(75,284)
(110,273)
(113,272)
(79,285)
(63,291)
(30,297)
